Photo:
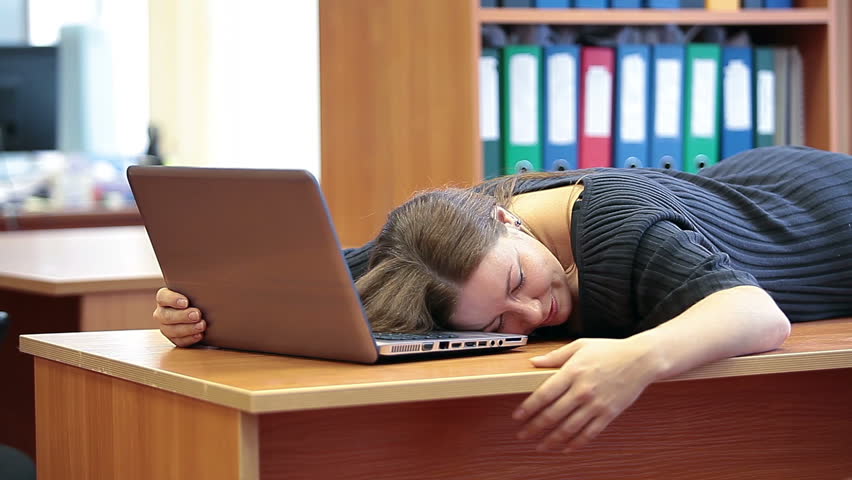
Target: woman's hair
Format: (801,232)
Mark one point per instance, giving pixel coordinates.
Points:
(426,250)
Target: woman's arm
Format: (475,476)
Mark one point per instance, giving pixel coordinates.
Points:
(599,378)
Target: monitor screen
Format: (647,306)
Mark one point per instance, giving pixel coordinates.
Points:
(28,98)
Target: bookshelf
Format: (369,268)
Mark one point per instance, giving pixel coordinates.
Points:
(399,89)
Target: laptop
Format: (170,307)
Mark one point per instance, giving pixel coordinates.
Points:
(256,251)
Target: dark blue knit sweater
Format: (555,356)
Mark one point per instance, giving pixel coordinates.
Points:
(650,243)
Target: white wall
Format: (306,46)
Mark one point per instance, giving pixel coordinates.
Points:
(264,84)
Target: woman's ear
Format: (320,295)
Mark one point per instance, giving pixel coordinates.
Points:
(505,217)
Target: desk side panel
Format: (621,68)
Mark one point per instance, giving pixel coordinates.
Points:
(795,425)
(90,425)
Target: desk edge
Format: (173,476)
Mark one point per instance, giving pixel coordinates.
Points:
(351,395)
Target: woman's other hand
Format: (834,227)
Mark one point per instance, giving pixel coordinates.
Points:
(598,379)
(180,323)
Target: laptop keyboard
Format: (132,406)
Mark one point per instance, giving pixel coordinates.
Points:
(413,336)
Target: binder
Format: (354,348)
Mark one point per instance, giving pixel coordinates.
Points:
(552,3)
(764,97)
(560,99)
(701,112)
(797,98)
(737,123)
(626,3)
(692,4)
(782,95)
(596,97)
(516,3)
(591,3)
(521,98)
(489,112)
(726,5)
(631,107)
(778,3)
(664,4)
(752,3)
(488,3)
(667,106)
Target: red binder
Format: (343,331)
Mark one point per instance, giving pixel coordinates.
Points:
(597,83)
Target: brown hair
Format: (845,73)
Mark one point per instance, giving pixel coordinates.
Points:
(428,247)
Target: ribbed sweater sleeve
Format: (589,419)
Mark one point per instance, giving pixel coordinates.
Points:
(674,269)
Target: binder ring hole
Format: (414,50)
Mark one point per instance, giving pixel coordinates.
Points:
(668,162)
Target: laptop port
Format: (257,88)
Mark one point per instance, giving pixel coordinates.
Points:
(513,339)
(483,343)
(457,345)
(427,346)
(444,345)
(469,344)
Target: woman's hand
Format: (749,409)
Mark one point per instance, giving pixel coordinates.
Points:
(183,325)
(599,378)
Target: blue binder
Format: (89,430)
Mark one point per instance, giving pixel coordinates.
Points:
(516,3)
(626,3)
(591,3)
(666,112)
(552,3)
(778,4)
(561,67)
(631,106)
(737,100)
(663,3)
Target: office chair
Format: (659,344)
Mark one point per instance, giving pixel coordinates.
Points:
(14,464)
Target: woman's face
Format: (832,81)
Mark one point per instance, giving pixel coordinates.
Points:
(519,286)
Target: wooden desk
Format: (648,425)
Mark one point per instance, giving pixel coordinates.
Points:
(97,217)
(64,281)
(126,404)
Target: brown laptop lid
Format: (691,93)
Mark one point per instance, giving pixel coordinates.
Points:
(256,252)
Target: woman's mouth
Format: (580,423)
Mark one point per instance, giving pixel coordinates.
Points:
(551,315)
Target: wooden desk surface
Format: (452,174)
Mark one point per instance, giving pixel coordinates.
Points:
(259,383)
(79,260)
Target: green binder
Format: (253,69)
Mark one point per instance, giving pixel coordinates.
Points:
(764,97)
(702,95)
(521,85)
(489,112)
(782,95)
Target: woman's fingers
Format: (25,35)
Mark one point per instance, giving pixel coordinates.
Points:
(172,299)
(171,316)
(549,391)
(183,329)
(187,340)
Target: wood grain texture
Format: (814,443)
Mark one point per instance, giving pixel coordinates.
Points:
(762,427)
(96,217)
(123,310)
(78,261)
(840,74)
(259,383)
(94,426)
(798,16)
(398,86)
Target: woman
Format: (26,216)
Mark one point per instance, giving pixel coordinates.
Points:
(658,271)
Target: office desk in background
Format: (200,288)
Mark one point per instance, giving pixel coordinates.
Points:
(128,405)
(91,218)
(66,280)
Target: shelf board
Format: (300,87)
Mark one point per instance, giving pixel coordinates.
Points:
(574,16)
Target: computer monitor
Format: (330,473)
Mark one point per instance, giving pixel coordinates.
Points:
(28,98)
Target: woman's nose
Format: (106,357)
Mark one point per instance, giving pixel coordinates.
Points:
(528,312)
